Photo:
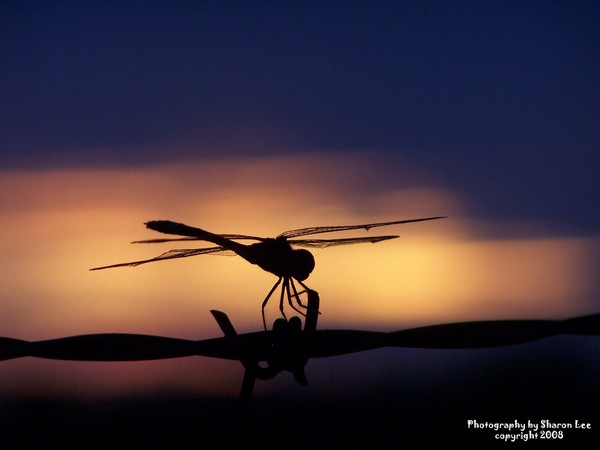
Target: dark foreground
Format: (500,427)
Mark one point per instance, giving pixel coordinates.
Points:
(545,384)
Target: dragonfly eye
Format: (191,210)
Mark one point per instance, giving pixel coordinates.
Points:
(303,264)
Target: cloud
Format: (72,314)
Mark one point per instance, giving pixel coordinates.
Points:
(59,223)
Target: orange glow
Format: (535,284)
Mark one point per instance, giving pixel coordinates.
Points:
(58,224)
(424,281)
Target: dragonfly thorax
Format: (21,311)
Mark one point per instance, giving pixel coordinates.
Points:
(279,258)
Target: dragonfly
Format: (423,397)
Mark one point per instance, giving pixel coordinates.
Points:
(278,255)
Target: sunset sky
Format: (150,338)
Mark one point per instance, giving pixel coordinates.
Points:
(260,117)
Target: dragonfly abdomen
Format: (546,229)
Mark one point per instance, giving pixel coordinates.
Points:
(180,229)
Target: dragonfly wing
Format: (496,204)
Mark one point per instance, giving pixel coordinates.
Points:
(366,226)
(324,243)
(242,237)
(173,254)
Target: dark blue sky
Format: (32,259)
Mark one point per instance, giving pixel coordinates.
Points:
(499,101)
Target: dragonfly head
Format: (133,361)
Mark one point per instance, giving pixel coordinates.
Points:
(302,265)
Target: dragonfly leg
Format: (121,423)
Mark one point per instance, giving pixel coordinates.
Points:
(307,289)
(266,300)
(284,288)
(297,294)
(289,296)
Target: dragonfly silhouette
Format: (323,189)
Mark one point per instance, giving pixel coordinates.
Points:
(274,255)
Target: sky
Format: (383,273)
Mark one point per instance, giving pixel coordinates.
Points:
(497,101)
(259,117)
